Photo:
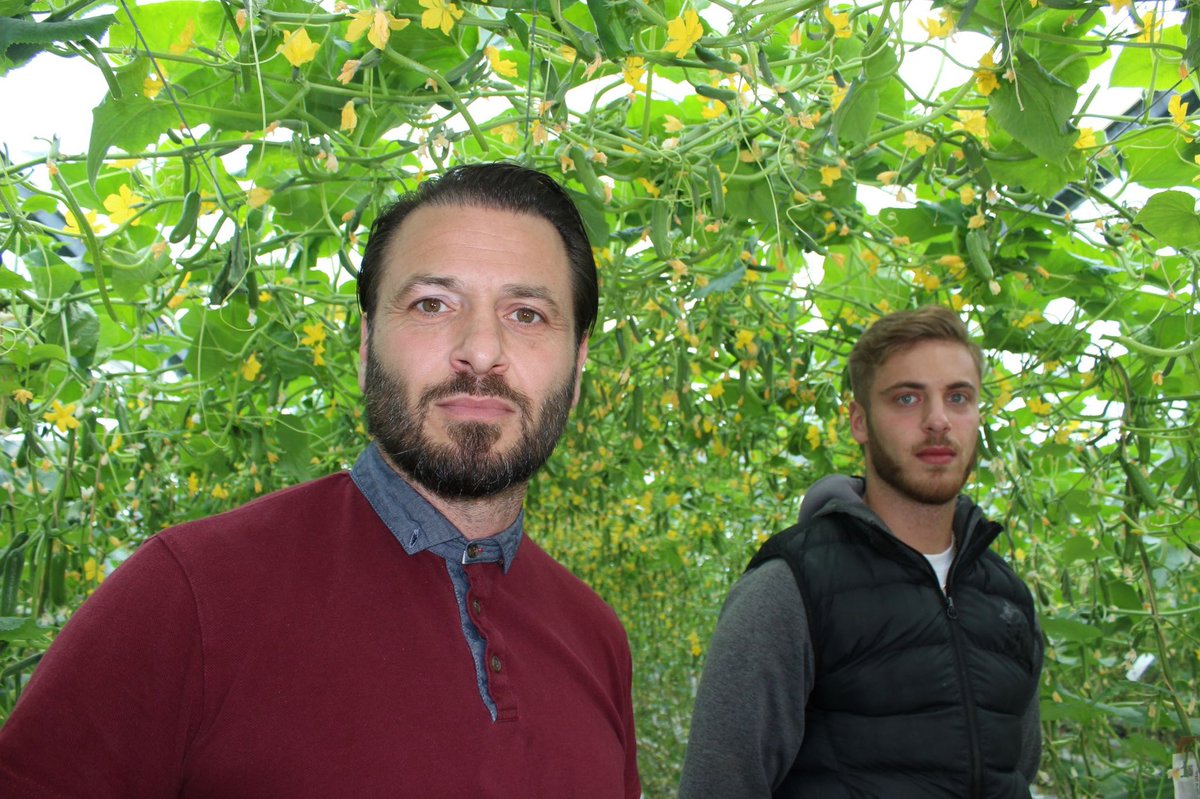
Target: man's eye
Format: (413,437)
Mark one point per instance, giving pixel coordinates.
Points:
(429,305)
(906,399)
(526,316)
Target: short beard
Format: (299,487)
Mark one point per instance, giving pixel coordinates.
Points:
(468,467)
(926,493)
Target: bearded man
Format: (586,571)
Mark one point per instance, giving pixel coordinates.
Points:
(390,631)
(879,648)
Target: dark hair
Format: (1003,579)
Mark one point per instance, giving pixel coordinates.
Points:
(898,331)
(502,187)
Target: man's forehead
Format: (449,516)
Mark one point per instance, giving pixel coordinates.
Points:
(931,361)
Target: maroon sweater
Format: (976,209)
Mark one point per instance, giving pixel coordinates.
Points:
(290,648)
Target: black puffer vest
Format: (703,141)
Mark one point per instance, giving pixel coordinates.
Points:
(916,693)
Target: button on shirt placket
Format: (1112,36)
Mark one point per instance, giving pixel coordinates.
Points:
(472,566)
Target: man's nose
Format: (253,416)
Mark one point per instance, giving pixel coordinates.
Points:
(936,420)
(479,346)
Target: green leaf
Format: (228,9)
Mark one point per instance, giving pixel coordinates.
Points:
(1140,67)
(20,628)
(11,280)
(1071,629)
(1160,158)
(1171,217)
(1035,109)
(21,39)
(130,123)
(856,114)
(722,283)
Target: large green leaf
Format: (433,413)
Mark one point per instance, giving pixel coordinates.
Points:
(1171,217)
(1034,107)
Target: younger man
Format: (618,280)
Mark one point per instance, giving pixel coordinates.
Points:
(879,648)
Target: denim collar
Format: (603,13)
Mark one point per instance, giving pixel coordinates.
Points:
(419,526)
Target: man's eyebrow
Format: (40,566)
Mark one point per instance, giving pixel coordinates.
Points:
(417,281)
(531,292)
(916,385)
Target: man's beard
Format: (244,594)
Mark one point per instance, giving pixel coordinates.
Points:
(467,467)
(924,491)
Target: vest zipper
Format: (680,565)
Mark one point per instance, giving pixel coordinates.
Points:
(968,700)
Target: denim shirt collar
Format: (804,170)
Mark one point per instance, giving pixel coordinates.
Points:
(419,526)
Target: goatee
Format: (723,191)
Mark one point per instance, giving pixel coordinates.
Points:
(924,491)
(468,466)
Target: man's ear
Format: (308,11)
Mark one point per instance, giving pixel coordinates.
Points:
(364,347)
(580,357)
(858,422)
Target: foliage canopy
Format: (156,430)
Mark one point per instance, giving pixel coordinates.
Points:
(760,181)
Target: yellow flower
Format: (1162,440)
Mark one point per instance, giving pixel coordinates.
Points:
(717,390)
(508,133)
(745,341)
(349,118)
(1028,319)
(830,175)
(22,396)
(712,109)
(973,122)
(977,221)
(184,42)
(92,571)
(297,48)
(955,264)
(694,642)
(840,23)
(650,188)
(62,416)
(72,224)
(318,353)
(672,124)
(1086,140)
(938,28)
(151,86)
(917,141)
(501,66)
(193,484)
(1150,26)
(219,492)
(1117,5)
(814,436)
(633,70)
(439,14)
(966,195)
(251,368)
(125,163)
(378,22)
(313,334)
(1178,111)
(567,52)
(348,69)
(985,77)
(1038,406)
(121,206)
(257,197)
(837,96)
(683,32)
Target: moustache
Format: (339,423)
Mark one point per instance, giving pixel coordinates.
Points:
(491,385)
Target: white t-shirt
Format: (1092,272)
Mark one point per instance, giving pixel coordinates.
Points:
(941,565)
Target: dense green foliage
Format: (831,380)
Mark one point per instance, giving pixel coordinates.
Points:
(193,346)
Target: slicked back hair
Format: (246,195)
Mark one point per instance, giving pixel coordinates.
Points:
(501,187)
(899,331)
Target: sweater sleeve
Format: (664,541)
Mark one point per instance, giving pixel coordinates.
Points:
(111,708)
(1031,721)
(748,721)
